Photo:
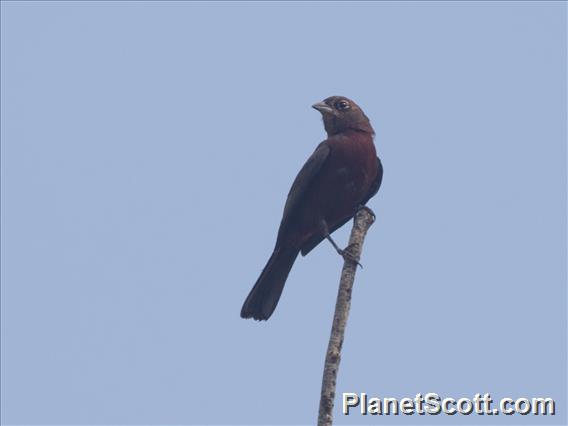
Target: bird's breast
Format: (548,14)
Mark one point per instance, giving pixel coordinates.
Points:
(353,162)
(347,177)
(339,187)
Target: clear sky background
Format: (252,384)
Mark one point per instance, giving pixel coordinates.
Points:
(147,150)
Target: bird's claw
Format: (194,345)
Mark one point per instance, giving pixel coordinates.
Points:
(368,210)
(347,255)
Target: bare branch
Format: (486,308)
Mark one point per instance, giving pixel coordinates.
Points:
(363,221)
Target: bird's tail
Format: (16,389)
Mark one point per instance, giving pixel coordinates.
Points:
(264,296)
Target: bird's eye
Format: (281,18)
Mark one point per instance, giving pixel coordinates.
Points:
(342,105)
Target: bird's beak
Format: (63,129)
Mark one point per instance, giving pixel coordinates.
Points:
(323,108)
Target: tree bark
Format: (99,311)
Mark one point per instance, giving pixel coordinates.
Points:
(363,220)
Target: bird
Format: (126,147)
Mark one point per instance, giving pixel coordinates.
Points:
(338,179)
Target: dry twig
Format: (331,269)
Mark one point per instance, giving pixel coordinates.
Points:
(363,220)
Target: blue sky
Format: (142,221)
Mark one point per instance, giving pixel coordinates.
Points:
(147,149)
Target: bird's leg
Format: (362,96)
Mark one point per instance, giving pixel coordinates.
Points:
(344,253)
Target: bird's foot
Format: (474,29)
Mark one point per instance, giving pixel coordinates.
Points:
(368,210)
(347,254)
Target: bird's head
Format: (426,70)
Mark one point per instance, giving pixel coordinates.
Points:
(340,114)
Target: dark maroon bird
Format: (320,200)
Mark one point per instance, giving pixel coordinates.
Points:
(341,175)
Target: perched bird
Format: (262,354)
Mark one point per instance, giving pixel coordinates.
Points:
(341,175)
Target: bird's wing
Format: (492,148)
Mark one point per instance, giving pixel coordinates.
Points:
(316,239)
(305,177)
